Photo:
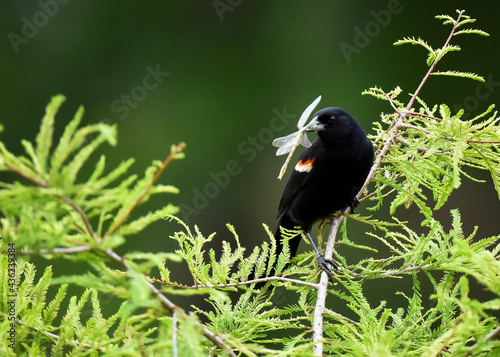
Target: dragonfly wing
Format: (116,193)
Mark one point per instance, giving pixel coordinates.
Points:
(287,143)
(284,150)
(307,112)
(285,140)
(304,141)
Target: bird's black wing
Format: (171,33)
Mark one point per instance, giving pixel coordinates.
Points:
(296,183)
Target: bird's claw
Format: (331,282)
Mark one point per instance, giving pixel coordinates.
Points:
(354,203)
(325,265)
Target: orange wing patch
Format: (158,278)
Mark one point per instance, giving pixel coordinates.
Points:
(305,166)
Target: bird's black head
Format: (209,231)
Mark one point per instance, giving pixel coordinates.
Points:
(334,124)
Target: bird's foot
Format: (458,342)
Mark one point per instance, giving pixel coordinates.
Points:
(354,203)
(327,265)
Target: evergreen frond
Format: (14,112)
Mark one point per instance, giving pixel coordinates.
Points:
(472,32)
(459,74)
(413,41)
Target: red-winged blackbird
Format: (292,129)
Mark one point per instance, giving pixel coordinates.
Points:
(327,176)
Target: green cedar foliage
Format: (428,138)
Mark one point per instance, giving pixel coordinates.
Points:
(423,154)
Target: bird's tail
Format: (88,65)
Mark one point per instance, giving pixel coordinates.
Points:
(286,222)
(293,243)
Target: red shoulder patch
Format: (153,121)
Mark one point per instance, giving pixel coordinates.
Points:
(305,166)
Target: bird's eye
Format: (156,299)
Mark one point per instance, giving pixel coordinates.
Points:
(331,120)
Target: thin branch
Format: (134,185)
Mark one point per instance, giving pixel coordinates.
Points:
(70,250)
(409,126)
(167,304)
(436,60)
(392,104)
(140,344)
(41,183)
(339,316)
(174,334)
(420,148)
(391,273)
(275,278)
(448,335)
(415,114)
(82,214)
(483,142)
(175,150)
(319,310)
(170,306)
(241,283)
(370,195)
(382,153)
(493,335)
(57,337)
(66,200)
(407,143)
(414,127)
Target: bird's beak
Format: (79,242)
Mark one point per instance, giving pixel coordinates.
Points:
(315,125)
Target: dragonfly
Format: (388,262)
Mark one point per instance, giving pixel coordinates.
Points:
(288,144)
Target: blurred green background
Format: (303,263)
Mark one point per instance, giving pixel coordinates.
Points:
(231,65)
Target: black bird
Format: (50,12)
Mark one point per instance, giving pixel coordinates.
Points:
(326,178)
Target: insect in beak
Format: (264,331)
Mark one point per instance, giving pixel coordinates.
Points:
(315,125)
